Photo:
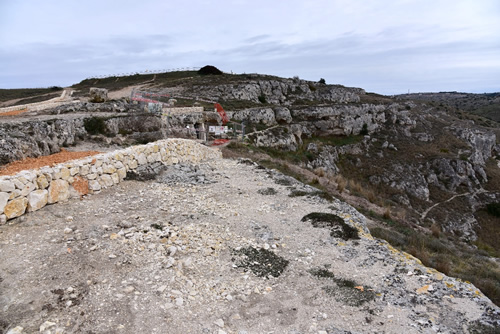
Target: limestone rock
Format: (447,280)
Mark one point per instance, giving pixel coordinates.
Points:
(282,115)
(277,138)
(42,182)
(37,199)
(16,207)
(98,95)
(6,186)
(29,187)
(58,191)
(4,198)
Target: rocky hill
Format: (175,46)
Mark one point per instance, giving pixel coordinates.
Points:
(486,105)
(426,175)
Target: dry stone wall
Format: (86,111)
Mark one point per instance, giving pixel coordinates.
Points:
(31,190)
(37,106)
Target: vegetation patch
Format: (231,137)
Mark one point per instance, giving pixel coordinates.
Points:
(344,290)
(338,228)
(267,191)
(318,193)
(262,262)
(480,328)
(493,209)
(95,125)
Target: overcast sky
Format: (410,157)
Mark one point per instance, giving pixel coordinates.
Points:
(383,46)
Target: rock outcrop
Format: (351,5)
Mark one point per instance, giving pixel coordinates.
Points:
(279,92)
(98,95)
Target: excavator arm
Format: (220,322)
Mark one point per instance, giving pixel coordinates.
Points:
(222,113)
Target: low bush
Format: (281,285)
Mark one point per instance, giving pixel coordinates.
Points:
(95,125)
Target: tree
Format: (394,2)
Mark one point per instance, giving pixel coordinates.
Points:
(209,70)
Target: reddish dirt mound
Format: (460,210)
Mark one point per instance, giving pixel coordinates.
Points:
(14,112)
(49,160)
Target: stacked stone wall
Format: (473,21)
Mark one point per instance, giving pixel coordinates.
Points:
(31,190)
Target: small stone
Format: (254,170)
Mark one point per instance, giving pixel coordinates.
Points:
(179,301)
(112,256)
(69,219)
(162,288)
(129,289)
(266,246)
(16,330)
(68,230)
(172,250)
(219,322)
(46,325)
(69,303)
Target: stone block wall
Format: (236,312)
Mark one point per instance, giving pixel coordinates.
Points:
(31,190)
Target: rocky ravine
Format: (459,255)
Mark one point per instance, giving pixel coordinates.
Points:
(220,248)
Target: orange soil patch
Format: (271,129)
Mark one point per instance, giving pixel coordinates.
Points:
(13,112)
(49,160)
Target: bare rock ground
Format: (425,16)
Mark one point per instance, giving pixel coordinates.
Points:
(222,248)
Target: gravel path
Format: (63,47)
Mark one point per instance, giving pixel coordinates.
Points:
(220,248)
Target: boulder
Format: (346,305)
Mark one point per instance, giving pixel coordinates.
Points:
(16,207)
(98,95)
(282,115)
(58,191)
(37,199)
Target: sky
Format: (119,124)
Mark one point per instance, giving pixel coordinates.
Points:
(386,47)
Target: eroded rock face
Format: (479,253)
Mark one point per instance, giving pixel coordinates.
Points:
(37,138)
(278,137)
(280,92)
(340,119)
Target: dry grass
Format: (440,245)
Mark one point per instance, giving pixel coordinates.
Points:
(341,183)
(387,213)
(320,171)
(354,186)
(436,231)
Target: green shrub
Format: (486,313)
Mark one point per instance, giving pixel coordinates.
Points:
(364,130)
(95,125)
(322,81)
(262,98)
(493,209)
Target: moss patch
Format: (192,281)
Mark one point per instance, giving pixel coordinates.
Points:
(318,193)
(338,228)
(267,191)
(261,262)
(344,290)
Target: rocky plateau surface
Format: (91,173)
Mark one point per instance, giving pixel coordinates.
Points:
(222,247)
